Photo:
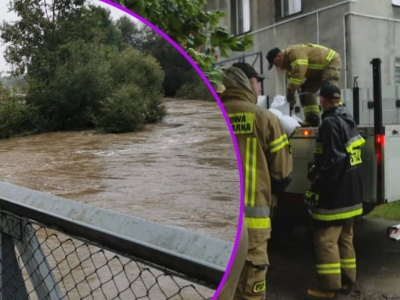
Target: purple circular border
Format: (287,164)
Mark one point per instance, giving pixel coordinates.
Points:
(210,87)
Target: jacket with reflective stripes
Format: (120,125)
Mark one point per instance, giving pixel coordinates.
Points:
(304,60)
(264,151)
(337,155)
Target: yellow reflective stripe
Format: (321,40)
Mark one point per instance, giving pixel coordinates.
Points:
(347,260)
(335,271)
(311,109)
(348,263)
(295,81)
(250,172)
(357,143)
(328,268)
(316,66)
(299,62)
(339,216)
(278,144)
(329,57)
(258,223)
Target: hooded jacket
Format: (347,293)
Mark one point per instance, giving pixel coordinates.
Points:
(264,148)
(337,153)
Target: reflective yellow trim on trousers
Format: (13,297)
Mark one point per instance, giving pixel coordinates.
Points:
(328,268)
(250,172)
(311,109)
(258,223)
(295,81)
(339,216)
(348,263)
(279,143)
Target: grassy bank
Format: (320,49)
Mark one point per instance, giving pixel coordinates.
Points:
(390,211)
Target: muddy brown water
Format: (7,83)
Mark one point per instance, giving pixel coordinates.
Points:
(180,172)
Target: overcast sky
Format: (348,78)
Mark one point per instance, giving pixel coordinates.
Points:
(10,16)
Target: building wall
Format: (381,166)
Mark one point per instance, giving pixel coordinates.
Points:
(359,30)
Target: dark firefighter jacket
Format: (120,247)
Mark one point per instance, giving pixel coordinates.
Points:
(266,159)
(337,189)
(304,60)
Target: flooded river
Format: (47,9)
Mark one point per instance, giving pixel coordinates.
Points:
(180,172)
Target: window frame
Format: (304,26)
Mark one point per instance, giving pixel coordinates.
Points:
(397,72)
(241,17)
(281,12)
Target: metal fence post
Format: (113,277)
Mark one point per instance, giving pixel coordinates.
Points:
(12,282)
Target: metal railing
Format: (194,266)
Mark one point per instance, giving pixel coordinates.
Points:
(54,248)
(255,59)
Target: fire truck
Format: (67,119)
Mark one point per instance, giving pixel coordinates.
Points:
(376,110)
(377,113)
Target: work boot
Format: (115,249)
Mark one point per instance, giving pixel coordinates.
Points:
(316,294)
(346,289)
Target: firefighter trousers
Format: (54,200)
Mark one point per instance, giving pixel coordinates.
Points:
(228,290)
(335,257)
(252,281)
(330,74)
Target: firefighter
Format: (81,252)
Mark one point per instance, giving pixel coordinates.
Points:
(335,196)
(266,164)
(308,66)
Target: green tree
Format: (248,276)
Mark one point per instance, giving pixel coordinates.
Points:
(192,27)
(178,71)
(68,51)
(135,100)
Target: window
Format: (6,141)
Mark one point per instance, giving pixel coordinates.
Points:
(284,8)
(241,16)
(397,74)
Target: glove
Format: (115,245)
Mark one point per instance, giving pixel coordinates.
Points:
(312,173)
(311,199)
(291,98)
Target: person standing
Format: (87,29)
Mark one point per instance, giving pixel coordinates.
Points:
(266,162)
(335,196)
(308,67)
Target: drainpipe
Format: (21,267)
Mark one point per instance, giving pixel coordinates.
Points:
(317,27)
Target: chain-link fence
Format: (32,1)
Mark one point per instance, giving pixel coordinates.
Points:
(41,261)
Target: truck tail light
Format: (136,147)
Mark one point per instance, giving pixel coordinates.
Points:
(379,148)
(305,132)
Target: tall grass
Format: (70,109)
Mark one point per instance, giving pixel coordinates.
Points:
(390,211)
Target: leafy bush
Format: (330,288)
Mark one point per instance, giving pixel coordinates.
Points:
(124,111)
(195,89)
(143,71)
(17,118)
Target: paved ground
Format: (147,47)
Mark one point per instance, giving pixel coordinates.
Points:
(378,263)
